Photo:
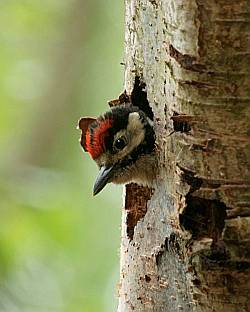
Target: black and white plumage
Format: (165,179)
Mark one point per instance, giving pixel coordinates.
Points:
(122,143)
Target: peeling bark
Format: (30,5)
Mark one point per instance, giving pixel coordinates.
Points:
(186,245)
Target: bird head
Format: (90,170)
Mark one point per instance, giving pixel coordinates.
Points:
(122,143)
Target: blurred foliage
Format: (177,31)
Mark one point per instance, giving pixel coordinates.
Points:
(59,61)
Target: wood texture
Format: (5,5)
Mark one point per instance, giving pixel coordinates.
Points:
(190,248)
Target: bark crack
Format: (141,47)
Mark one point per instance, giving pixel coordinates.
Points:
(186,61)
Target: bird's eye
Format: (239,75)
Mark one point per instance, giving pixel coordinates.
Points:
(120,143)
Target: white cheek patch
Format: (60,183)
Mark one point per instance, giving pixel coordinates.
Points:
(135,130)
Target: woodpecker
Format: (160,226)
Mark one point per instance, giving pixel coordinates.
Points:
(122,143)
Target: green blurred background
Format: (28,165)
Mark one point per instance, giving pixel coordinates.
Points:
(59,246)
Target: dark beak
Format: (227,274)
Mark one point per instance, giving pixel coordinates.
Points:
(104,176)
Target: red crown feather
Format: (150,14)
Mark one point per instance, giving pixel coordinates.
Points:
(92,139)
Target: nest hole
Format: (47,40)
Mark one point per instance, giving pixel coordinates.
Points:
(139,97)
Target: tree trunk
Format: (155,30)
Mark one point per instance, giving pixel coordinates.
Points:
(186,244)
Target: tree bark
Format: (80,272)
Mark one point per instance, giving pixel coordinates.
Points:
(186,244)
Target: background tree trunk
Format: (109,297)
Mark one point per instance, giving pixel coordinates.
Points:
(186,244)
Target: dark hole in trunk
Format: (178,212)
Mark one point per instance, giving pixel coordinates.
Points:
(139,98)
(181,123)
(203,217)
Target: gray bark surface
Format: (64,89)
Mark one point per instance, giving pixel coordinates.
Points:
(186,244)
